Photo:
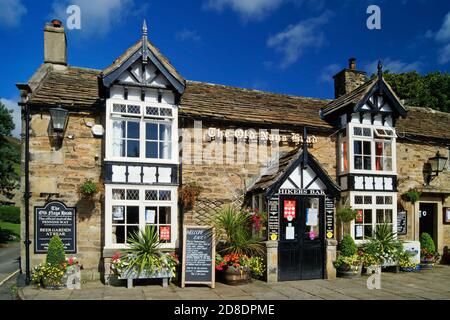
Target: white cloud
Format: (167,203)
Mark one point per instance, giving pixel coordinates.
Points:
(11,13)
(327,73)
(444,54)
(394,66)
(188,35)
(443,35)
(248,9)
(295,39)
(98,16)
(12,105)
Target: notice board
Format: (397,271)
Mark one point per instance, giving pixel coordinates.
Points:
(55,218)
(199,255)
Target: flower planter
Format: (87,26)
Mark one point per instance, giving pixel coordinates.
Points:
(50,284)
(236,276)
(346,271)
(130,275)
(426,264)
(410,269)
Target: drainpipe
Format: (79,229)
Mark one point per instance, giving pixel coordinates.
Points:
(27,195)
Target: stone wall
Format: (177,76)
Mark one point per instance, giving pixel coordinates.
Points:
(62,170)
(225,182)
(411,157)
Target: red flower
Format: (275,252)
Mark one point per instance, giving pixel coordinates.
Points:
(70,261)
(115,257)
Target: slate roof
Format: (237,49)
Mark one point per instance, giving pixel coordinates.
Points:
(425,122)
(74,87)
(219,102)
(80,87)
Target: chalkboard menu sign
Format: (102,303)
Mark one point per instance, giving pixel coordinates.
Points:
(402,222)
(199,256)
(55,219)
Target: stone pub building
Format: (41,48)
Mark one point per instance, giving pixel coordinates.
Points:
(141,131)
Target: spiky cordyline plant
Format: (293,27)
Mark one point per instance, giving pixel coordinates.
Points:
(145,249)
(233,228)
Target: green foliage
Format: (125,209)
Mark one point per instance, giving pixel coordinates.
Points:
(145,250)
(428,91)
(427,243)
(348,261)
(46,274)
(10,214)
(347,247)
(346,214)
(10,155)
(412,195)
(234,231)
(55,253)
(89,188)
(384,245)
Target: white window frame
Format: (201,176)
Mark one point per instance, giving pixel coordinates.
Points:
(142,203)
(373,206)
(351,157)
(110,116)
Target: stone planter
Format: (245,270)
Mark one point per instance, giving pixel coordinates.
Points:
(236,276)
(131,275)
(346,271)
(50,285)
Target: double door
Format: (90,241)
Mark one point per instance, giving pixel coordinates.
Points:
(301,245)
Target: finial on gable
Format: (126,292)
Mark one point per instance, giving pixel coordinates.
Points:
(144,42)
(380,75)
(380,68)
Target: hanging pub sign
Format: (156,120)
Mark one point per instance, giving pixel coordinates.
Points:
(199,256)
(329,217)
(274,221)
(402,222)
(289,209)
(55,218)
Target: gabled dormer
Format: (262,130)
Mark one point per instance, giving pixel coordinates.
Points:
(143,90)
(366,114)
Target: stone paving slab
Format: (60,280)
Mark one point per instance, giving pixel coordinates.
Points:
(432,284)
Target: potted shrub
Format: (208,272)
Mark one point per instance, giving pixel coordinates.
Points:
(349,262)
(372,256)
(144,259)
(428,254)
(88,189)
(242,251)
(50,274)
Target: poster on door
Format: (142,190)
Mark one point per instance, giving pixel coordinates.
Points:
(289,209)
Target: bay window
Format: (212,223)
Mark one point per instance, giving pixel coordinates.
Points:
(373,149)
(141,131)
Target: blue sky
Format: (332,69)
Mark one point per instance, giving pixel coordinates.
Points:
(285,46)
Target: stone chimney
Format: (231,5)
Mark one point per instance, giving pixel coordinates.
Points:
(349,79)
(55,44)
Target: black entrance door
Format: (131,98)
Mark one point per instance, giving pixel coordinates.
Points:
(301,244)
(427,218)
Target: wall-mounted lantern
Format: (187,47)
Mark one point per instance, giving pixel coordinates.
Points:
(59,117)
(435,165)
